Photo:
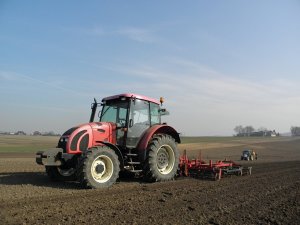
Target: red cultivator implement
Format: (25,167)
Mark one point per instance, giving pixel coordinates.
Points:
(200,169)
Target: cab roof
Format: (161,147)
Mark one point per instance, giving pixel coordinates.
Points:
(131,95)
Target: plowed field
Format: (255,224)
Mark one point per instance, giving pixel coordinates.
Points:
(271,195)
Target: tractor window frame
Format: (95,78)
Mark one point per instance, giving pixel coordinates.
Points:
(117,107)
(155,117)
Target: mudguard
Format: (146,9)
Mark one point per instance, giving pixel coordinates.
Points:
(156,129)
(117,151)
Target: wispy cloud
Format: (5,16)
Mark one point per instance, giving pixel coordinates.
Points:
(8,76)
(23,78)
(193,77)
(93,31)
(138,34)
(194,67)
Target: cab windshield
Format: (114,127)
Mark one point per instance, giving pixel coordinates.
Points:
(114,111)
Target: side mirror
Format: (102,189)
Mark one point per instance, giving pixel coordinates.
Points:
(163,112)
(99,114)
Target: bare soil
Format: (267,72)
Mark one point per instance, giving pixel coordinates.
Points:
(271,195)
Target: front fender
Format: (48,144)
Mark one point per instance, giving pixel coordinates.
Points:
(117,151)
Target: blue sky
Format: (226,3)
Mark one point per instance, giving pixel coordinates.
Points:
(217,63)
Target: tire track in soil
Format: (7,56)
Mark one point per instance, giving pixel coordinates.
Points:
(260,203)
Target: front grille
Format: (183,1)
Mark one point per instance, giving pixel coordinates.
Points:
(62,143)
(76,139)
(83,145)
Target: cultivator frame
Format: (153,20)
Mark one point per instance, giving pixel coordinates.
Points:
(198,168)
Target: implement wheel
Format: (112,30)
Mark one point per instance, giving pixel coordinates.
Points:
(162,159)
(98,168)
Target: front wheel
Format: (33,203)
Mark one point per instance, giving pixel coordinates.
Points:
(59,173)
(98,168)
(162,159)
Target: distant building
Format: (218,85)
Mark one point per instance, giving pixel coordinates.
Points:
(20,133)
(265,133)
(37,133)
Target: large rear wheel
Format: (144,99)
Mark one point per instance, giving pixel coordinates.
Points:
(98,168)
(162,159)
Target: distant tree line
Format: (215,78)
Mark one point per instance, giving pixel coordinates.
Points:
(249,131)
(243,131)
(20,132)
(35,133)
(48,133)
(295,131)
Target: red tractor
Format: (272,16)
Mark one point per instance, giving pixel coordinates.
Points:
(129,137)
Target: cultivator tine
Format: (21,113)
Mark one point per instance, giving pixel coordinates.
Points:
(220,174)
(186,170)
(184,164)
(199,159)
(249,170)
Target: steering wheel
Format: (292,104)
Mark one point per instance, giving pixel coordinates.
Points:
(122,122)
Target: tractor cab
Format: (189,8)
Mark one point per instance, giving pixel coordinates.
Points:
(132,114)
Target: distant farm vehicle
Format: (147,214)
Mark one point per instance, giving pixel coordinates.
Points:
(129,137)
(248,154)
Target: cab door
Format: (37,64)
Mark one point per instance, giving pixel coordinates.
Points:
(139,121)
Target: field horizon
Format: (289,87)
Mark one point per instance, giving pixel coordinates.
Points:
(31,144)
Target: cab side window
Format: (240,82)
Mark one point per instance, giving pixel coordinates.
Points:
(154,114)
(140,112)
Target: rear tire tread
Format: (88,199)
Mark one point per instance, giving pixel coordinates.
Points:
(151,174)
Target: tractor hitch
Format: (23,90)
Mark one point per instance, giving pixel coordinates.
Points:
(49,157)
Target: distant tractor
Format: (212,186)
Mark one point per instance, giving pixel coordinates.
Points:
(248,154)
(129,137)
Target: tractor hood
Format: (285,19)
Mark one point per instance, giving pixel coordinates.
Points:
(84,136)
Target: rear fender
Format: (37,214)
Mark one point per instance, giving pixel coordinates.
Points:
(156,129)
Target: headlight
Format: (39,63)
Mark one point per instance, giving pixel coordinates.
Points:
(64,139)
